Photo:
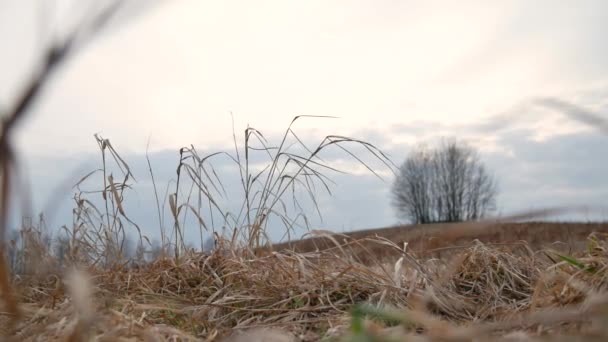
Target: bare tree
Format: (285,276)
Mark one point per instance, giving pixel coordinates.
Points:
(446,184)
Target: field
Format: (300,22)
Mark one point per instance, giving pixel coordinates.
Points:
(429,240)
(478,290)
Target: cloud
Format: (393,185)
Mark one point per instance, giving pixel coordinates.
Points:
(181,66)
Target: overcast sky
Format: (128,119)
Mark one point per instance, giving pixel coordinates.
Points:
(522,81)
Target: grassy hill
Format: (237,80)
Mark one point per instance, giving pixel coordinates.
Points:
(438,239)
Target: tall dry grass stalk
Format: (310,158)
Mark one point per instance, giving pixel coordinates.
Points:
(54,56)
(292,170)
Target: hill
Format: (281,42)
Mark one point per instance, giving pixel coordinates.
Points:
(435,240)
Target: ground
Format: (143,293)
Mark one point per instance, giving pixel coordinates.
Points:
(452,283)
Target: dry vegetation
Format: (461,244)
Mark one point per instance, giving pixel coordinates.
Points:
(480,292)
(506,281)
(429,240)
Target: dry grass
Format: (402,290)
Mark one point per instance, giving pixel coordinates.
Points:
(484,292)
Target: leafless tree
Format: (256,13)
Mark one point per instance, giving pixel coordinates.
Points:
(446,184)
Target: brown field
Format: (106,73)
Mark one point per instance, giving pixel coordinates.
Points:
(491,289)
(432,240)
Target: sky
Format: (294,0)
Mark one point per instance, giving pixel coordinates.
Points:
(521,81)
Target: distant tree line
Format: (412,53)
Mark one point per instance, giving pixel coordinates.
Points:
(445,184)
